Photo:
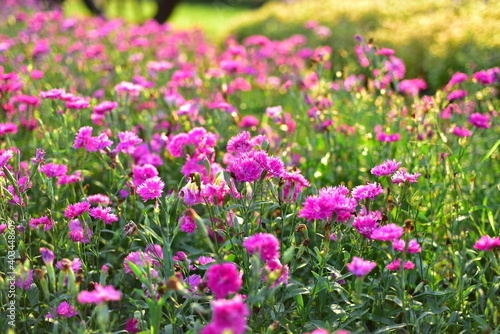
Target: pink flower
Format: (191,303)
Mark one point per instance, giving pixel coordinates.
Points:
(400,245)
(83,137)
(248,121)
(77,232)
(485,243)
(187,222)
(401,176)
(240,143)
(479,121)
(370,190)
(205,260)
(100,295)
(151,188)
(360,267)
(229,316)
(127,141)
(77,209)
(92,144)
(330,200)
(99,199)
(394,265)
(384,137)
(139,259)
(461,132)
(47,256)
(223,279)
(456,95)
(132,325)
(388,167)
(24,277)
(245,168)
(5,157)
(387,232)
(484,77)
(367,223)
(65,179)
(105,107)
(266,244)
(103,214)
(64,310)
(54,170)
(142,173)
(42,221)
(457,78)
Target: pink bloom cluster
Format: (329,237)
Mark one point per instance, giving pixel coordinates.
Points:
(229,316)
(360,267)
(486,243)
(99,295)
(223,279)
(330,200)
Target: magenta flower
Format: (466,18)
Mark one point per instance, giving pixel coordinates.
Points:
(103,214)
(486,243)
(330,200)
(456,95)
(5,157)
(395,265)
(457,78)
(132,326)
(42,221)
(240,143)
(245,168)
(74,265)
(484,77)
(387,232)
(461,132)
(223,279)
(205,260)
(127,141)
(77,209)
(229,317)
(24,277)
(151,188)
(47,256)
(360,267)
(479,121)
(139,259)
(142,173)
(388,167)
(384,137)
(265,244)
(105,107)
(367,223)
(83,138)
(64,310)
(400,245)
(187,222)
(99,199)
(370,190)
(92,144)
(65,179)
(77,232)
(100,295)
(248,121)
(54,170)
(401,176)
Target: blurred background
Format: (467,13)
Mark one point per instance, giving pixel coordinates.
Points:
(433,37)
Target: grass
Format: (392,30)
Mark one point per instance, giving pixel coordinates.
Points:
(213,18)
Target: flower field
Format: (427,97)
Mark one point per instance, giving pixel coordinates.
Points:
(152,182)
